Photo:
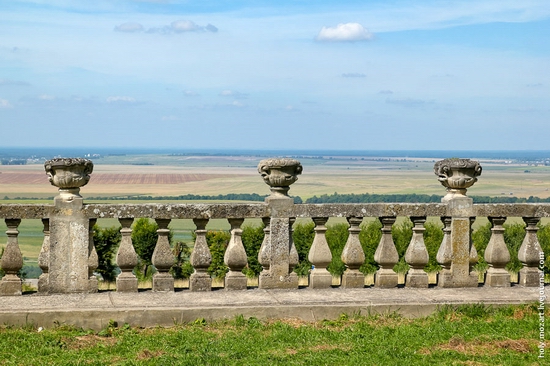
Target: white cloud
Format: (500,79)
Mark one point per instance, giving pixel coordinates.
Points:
(121,99)
(129,27)
(4,104)
(347,32)
(233,94)
(190,93)
(46,97)
(184,26)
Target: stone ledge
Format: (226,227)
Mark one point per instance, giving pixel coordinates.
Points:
(147,308)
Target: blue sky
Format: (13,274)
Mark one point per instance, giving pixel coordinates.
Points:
(357,75)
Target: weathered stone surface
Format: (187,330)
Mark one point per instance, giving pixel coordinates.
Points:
(200,259)
(512,209)
(530,255)
(370,209)
(178,211)
(416,255)
(353,256)
(27,211)
(457,175)
(163,258)
(279,173)
(497,255)
(386,256)
(12,261)
(44,259)
(69,247)
(126,258)
(235,258)
(320,256)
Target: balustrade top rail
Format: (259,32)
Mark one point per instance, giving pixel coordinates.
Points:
(68,264)
(260,210)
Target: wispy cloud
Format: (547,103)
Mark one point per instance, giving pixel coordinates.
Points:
(129,27)
(386,91)
(233,94)
(4,104)
(9,82)
(176,27)
(121,100)
(348,32)
(190,93)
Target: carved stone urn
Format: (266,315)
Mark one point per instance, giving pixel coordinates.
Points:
(280,173)
(457,175)
(69,174)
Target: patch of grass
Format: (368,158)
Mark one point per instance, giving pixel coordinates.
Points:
(465,335)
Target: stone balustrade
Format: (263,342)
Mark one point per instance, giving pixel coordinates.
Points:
(68,257)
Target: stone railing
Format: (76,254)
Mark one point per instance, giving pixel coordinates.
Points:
(68,257)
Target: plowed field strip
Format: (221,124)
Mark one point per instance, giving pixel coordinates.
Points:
(106,178)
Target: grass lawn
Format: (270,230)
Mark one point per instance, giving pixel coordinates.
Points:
(466,335)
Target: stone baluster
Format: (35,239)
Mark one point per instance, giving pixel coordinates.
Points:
(445,252)
(386,256)
(497,255)
(12,261)
(293,258)
(200,259)
(530,255)
(126,258)
(93,260)
(235,258)
(265,250)
(473,252)
(416,255)
(353,256)
(44,258)
(320,256)
(163,258)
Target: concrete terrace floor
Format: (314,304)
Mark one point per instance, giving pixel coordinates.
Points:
(149,309)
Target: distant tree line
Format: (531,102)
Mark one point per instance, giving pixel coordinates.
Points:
(414,198)
(13,161)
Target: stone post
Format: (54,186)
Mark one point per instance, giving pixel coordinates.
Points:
(93,260)
(353,256)
(386,256)
(44,258)
(279,255)
(69,227)
(163,259)
(235,258)
(457,175)
(265,251)
(416,256)
(497,256)
(320,256)
(200,259)
(126,258)
(530,255)
(12,261)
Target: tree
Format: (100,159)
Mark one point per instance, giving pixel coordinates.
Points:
(370,238)
(217,242)
(303,238)
(252,238)
(144,238)
(106,242)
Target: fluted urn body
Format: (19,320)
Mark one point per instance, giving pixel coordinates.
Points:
(457,175)
(69,174)
(280,173)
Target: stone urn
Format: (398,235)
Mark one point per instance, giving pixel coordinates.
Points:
(69,174)
(280,173)
(457,175)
